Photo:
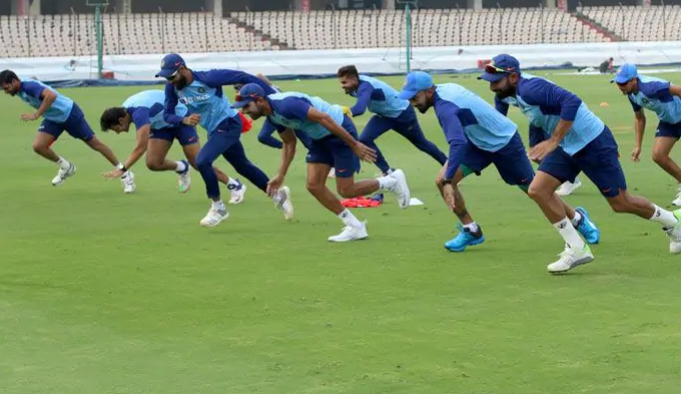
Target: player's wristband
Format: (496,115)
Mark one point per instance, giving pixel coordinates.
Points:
(121,167)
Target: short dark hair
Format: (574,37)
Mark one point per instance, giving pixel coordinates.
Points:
(8,76)
(348,71)
(111,117)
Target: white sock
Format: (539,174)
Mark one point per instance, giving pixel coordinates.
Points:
(219,205)
(232,184)
(349,219)
(664,216)
(569,234)
(63,163)
(387,183)
(576,219)
(473,227)
(180,166)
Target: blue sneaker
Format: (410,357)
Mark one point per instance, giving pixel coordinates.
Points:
(464,239)
(587,228)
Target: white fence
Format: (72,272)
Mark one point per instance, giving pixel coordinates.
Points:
(380,61)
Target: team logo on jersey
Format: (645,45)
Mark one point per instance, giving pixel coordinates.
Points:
(202,90)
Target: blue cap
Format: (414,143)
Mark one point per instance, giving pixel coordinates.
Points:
(248,93)
(500,66)
(625,73)
(170,64)
(416,82)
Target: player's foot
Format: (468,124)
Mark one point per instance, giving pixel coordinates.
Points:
(332,173)
(677,199)
(282,200)
(128,182)
(236,192)
(184,180)
(401,188)
(587,228)
(350,233)
(568,188)
(674,234)
(215,215)
(62,174)
(571,258)
(465,239)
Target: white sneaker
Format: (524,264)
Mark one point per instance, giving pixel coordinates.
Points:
(283,202)
(184,180)
(571,258)
(401,188)
(214,217)
(62,174)
(677,199)
(350,233)
(568,188)
(332,173)
(128,181)
(236,193)
(674,235)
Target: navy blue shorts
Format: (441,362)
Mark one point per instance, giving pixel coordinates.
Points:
(599,160)
(536,136)
(335,153)
(511,161)
(665,129)
(185,135)
(75,125)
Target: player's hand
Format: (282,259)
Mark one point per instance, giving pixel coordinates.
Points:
(29,117)
(542,149)
(346,111)
(450,197)
(636,154)
(274,185)
(364,152)
(192,120)
(113,174)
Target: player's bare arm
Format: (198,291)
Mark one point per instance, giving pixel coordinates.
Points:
(49,97)
(639,128)
(362,151)
(137,152)
(288,152)
(675,90)
(542,149)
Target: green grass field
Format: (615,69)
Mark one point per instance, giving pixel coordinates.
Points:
(102,292)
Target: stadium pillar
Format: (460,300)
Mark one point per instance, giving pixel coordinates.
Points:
(34,7)
(475,5)
(550,3)
(214,6)
(388,4)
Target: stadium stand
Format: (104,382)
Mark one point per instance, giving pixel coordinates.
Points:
(74,34)
(636,23)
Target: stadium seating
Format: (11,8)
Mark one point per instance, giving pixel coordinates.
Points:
(74,34)
(636,23)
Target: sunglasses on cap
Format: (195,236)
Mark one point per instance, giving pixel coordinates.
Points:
(492,69)
(251,97)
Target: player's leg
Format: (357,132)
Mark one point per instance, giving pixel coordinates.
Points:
(555,169)
(407,125)
(346,164)
(317,173)
(48,133)
(570,185)
(158,147)
(219,141)
(376,126)
(665,139)
(236,156)
(599,160)
(470,233)
(515,169)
